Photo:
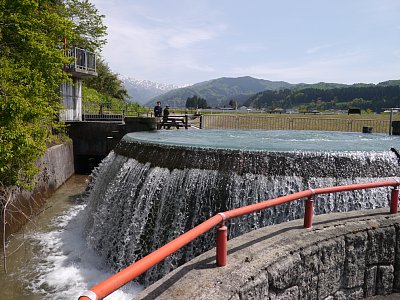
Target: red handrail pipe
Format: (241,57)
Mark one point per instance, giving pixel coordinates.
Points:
(394,200)
(222,245)
(119,279)
(308,214)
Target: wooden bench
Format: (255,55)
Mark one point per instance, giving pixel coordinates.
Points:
(175,121)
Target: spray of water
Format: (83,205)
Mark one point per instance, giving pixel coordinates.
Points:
(65,266)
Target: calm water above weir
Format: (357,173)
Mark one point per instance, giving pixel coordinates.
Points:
(273,140)
(54,261)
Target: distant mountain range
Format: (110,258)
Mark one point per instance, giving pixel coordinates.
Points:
(218,92)
(142,91)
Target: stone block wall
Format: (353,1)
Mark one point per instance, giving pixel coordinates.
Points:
(354,266)
(350,255)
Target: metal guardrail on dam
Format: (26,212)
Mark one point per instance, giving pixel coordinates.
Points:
(292,122)
(121,278)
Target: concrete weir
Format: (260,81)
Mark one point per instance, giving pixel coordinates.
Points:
(349,255)
(155,186)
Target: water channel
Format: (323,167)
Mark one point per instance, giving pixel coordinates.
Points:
(145,177)
(54,261)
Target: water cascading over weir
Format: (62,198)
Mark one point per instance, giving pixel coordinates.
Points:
(150,190)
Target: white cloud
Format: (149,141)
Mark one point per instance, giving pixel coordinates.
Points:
(186,37)
(184,41)
(339,68)
(200,67)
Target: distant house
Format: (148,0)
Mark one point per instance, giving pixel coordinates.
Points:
(276,111)
(312,112)
(245,108)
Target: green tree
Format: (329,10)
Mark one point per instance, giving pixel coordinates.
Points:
(87,23)
(30,73)
(232,103)
(196,102)
(107,82)
(360,102)
(31,61)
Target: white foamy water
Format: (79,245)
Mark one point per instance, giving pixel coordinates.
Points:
(49,258)
(65,266)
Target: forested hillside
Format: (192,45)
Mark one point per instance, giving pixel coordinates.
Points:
(364,96)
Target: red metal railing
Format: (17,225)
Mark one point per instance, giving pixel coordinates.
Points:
(121,278)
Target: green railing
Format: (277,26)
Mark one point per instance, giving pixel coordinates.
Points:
(111,111)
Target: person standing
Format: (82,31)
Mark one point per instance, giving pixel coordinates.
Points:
(158,109)
(165,118)
(166,113)
(158,114)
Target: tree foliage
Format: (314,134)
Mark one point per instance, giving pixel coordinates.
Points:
(373,97)
(90,34)
(30,73)
(196,102)
(87,23)
(94,102)
(107,82)
(31,70)
(233,103)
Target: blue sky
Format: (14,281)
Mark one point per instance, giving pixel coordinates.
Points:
(188,41)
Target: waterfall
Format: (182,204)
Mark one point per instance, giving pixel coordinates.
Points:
(143,195)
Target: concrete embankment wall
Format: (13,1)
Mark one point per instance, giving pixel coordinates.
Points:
(56,166)
(344,256)
(93,140)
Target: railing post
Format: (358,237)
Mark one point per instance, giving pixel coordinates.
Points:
(75,57)
(394,200)
(308,214)
(222,241)
(391,122)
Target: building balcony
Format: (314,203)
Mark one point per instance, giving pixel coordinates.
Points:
(84,64)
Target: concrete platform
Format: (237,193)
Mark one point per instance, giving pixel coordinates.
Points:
(286,261)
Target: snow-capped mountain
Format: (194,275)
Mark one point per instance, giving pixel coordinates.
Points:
(142,91)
